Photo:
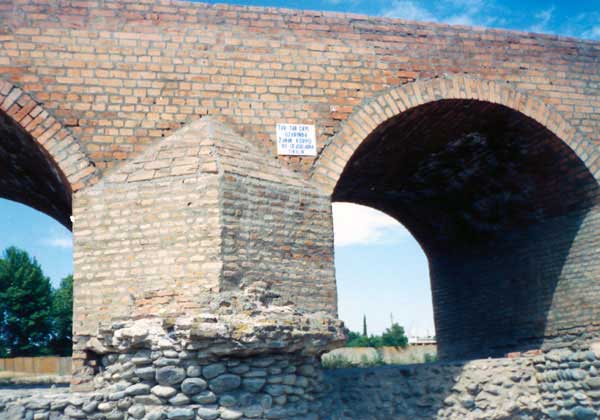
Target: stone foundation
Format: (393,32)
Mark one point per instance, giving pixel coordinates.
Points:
(169,384)
(166,383)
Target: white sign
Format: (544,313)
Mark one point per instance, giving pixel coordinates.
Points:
(296,140)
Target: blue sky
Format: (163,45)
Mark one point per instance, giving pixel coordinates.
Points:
(381,272)
(43,237)
(579,18)
(381,269)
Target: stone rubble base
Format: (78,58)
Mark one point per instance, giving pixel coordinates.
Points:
(176,385)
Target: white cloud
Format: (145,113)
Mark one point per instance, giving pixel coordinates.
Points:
(463,19)
(57,240)
(456,12)
(409,10)
(582,25)
(466,11)
(592,33)
(495,13)
(360,225)
(344,2)
(542,19)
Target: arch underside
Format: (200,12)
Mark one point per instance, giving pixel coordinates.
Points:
(29,176)
(503,208)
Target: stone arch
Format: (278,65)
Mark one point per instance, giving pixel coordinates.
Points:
(53,153)
(392,102)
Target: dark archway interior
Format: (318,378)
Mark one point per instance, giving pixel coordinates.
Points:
(502,208)
(29,176)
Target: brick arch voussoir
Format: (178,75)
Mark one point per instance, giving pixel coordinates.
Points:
(55,140)
(392,102)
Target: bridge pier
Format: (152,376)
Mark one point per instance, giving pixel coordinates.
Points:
(196,271)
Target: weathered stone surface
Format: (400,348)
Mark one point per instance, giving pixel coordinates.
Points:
(169,375)
(205,413)
(550,385)
(194,371)
(193,386)
(253,384)
(204,397)
(213,370)
(137,411)
(179,399)
(164,391)
(138,389)
(180,414)
(224,383)
(145,373)
(228,414)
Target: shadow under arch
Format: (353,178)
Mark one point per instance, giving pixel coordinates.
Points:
(41,163)
(375,111)
(506,213)
(28,175)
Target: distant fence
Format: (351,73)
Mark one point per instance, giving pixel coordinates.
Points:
(37,366)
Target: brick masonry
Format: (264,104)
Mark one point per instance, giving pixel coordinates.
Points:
(509,241)
(121,74)
(200,213)
(156,119)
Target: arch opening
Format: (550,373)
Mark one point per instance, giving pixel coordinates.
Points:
(36,253)
(392,319)
(28,175)
(505,212)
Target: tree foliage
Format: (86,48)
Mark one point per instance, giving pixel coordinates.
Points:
(392,336)
(34,319)
(62,318)
(25,300)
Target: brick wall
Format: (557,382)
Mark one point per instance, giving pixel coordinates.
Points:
(122,74)
(147,238)
(534,288)
(197,214)
(282,235)
(96,87)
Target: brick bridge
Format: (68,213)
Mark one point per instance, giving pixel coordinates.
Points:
(153,124)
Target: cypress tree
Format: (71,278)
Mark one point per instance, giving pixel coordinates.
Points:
(364,325)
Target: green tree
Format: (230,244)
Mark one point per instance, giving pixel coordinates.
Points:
(357,340)
(62,318)
(394,336)
(25,301)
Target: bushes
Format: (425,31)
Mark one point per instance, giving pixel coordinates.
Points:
(393,336)
(430,358)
